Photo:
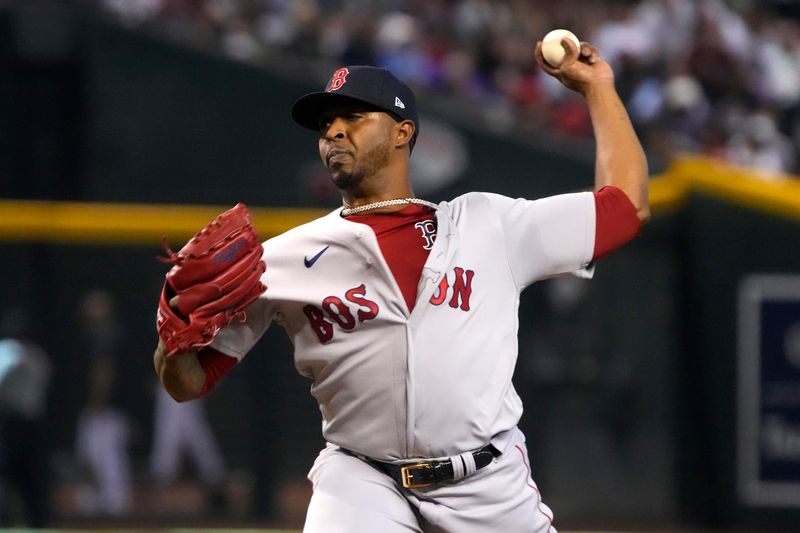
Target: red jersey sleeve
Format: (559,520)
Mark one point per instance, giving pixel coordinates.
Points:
(617,222)
(215,364)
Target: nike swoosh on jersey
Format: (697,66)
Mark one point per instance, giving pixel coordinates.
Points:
(310,262)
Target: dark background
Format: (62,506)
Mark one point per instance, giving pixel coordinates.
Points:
(629,381)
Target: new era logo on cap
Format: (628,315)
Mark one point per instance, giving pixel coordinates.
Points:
(399,103)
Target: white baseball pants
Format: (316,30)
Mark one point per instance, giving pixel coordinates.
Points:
(351,496)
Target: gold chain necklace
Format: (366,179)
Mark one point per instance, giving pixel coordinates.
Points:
(347,211)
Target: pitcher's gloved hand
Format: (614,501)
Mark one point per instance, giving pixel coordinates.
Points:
(215,276)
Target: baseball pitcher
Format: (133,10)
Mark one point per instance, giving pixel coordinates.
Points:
(403,313)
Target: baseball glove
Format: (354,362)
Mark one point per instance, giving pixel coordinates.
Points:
(216,275)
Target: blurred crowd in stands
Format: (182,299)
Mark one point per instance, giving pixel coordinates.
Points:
(702,76)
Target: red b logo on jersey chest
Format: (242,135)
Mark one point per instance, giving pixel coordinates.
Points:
(337,80)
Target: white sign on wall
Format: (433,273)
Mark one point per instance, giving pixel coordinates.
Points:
(768,415)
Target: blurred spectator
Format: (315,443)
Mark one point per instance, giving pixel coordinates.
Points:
(103,432)
(729,56)
(25,373)
(134,11)
(625,38)
(182,429)
(675,115)
(759,144)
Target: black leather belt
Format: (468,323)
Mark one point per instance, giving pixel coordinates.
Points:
(427,473)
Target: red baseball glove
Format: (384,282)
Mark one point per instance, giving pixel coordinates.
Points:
(216,275)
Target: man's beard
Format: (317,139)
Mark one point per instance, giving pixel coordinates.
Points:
(372,162)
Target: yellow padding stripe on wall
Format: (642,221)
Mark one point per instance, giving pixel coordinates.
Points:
(104,223)
(666,194)
(737,185)
(100,223)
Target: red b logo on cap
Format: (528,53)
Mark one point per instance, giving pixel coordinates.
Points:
(338,79)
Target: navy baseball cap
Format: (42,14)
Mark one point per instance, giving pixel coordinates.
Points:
(375,86)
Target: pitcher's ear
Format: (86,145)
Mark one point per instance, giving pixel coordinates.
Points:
(404,132)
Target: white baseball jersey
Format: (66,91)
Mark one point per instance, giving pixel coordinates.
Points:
(396,385)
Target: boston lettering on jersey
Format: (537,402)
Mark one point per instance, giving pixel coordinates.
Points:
(340,313)
(335,311)
(461,290)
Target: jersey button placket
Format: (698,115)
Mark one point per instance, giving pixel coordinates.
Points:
(367,259)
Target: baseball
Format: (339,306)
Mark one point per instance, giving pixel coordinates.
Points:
(552,50)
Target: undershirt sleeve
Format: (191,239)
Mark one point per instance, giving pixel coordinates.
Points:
(215,365)
(617,222)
